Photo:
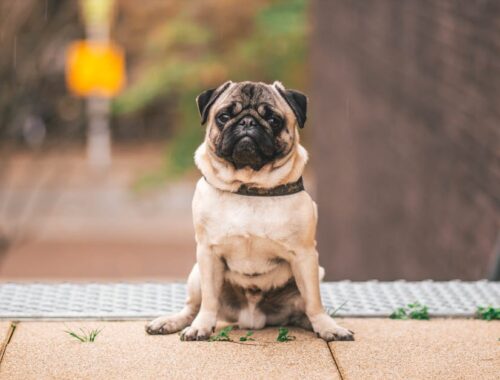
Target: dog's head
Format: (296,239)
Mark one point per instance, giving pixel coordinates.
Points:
(250,124)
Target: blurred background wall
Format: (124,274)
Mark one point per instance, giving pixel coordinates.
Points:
(403,133)
(60,219)
(406,137)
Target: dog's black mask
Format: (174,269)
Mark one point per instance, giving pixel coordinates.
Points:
(246,141)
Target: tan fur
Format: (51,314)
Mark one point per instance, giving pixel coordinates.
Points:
(239,235)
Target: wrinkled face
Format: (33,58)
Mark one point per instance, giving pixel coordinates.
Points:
(249,124)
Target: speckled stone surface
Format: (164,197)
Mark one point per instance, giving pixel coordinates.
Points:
(41,350)
(4,331)
(384,349)
(436,349)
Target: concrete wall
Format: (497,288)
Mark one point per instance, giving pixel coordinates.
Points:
(405,121)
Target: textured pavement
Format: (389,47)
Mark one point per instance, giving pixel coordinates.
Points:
(384,349)
(124,351)
(437,349)
(4,328)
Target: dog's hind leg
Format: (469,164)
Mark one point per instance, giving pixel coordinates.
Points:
(168,324)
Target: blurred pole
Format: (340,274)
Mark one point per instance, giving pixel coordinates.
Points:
(98,133)
(97,15)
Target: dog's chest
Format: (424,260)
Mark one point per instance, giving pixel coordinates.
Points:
(250,255)
(255,236)
(251,226)
(244,222)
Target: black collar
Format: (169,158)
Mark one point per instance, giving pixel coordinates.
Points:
(286,189)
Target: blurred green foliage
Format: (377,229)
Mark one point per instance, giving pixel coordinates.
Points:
(190,53)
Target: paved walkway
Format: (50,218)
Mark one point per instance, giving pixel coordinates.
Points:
(65,221)
(384,349)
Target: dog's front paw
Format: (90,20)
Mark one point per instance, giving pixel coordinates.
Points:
(168,324)
(325,327)
(195,333)
(202,327)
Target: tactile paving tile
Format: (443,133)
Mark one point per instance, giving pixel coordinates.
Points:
(146,300)
(379,299)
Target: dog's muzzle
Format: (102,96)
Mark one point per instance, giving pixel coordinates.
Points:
(247,144)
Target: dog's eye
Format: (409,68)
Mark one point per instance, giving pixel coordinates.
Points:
(223,118)
(274,122)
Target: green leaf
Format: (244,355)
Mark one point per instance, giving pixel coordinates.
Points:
(93,334)
(488,313)
(86,336)
(247,336)
(222,336)
(74,335)
(334,312)
(283,335)
(399,313)
(413,310)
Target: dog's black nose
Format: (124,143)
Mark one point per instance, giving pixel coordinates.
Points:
(248,121)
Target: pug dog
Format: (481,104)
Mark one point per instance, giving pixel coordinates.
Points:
(255,225)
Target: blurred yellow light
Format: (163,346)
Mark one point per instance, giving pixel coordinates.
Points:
(95,68)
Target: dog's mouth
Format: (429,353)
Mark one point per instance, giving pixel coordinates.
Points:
(247,153)
(246,147)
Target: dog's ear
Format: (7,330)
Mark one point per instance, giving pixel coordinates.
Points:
(207,98)
(297,102)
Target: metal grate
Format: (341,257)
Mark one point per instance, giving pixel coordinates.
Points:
(146,300)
